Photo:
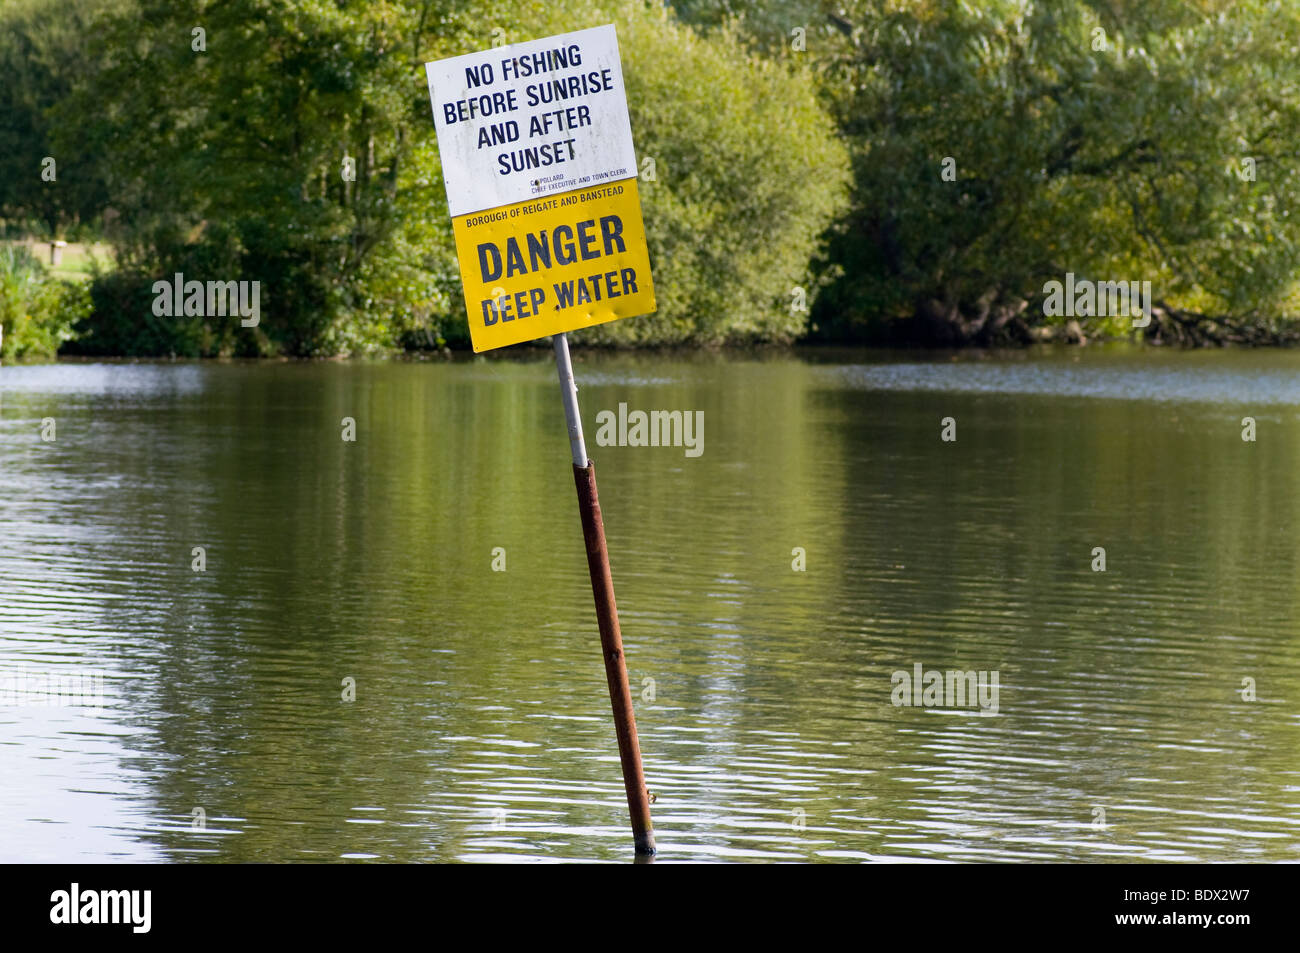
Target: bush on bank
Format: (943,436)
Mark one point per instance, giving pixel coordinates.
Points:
(37,312)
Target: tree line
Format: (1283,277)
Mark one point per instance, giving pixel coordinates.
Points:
(864,171)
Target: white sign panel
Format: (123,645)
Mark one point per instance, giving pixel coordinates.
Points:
(531,119)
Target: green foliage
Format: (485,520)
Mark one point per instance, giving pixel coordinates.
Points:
(44,53)
(226,164)
(1114,163)
(122,323)
(735,212)
(37,312)
(775,167)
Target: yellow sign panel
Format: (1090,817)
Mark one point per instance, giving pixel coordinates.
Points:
(537,157)
(554,264)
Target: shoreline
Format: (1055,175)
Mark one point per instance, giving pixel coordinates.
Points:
(532,353)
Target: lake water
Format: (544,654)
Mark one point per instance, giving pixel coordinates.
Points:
(480,728)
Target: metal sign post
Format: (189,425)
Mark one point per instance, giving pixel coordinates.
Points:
(602,587)
(537,157)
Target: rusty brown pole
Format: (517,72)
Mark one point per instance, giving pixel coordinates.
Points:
(611,644)
(602,587)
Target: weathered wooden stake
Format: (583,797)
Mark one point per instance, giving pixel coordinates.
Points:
(602,586)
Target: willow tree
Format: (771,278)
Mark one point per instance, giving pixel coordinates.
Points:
(999,145)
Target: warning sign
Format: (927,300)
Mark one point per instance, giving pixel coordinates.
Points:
(537,157)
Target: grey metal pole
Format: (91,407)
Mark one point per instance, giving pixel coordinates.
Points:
(602,588)
(569,394)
